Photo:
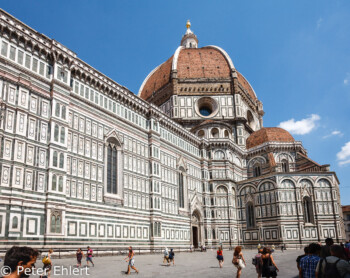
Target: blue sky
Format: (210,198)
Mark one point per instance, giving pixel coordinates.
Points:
(295,54)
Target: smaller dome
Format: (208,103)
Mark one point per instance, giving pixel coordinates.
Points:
(268,134)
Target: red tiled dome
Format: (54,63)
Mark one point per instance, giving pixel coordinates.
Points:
(268,134)
(208,62)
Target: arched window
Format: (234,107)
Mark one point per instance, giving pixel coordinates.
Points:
(257,171)
(181,187)
(201,133)
(219,155)
(112,169)
(285,166)
(214,234)
(54,182)
(55,222)
(57,110)
(215,133)
(15,222)
(61,160)
(221,196)
(250,218)
(60,184)
(308,211)
(226,134)
(54,159)
(56,132)
(63,134)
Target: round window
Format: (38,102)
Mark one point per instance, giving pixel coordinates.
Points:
(206,107)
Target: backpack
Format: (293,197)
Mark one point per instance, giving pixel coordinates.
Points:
(256,261)
(46,260)
(330,270)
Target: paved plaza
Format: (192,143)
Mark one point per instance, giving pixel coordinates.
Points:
(194,264)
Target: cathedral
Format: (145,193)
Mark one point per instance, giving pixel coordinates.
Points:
(186,161)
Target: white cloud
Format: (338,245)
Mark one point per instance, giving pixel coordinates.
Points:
(319,21)
(301,127)
(333,133)
(344,162)
(347,79)
(344,154)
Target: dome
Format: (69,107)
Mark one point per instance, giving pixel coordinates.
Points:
(207,64)
(268,134)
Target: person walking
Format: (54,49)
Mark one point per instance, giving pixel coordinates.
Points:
(172,256)
(334,265)
(269,267)
(131,261)
(220,256)
(47,263)
(89,256)
(238,260)
(79,255)
(308,263)
(166,256)
(258,262)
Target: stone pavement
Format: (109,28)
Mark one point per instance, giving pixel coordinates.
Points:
(194,264)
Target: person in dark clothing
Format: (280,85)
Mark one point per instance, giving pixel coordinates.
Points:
(326,249)
(172,256)
(79,255)
(268,264)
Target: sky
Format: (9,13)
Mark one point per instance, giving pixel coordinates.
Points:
(295,54)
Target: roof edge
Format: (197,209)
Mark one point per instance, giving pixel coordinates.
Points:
(249,85)
(176,57)
(223,52)
(146,79)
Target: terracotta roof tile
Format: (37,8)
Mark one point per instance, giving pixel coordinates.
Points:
(202,63)
(246,85)
(268,134)
(159,78)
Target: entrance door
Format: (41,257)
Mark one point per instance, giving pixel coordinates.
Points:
(195,236)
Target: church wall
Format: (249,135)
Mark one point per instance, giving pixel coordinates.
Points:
(32,159)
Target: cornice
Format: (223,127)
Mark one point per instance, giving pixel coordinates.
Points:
(276,146)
